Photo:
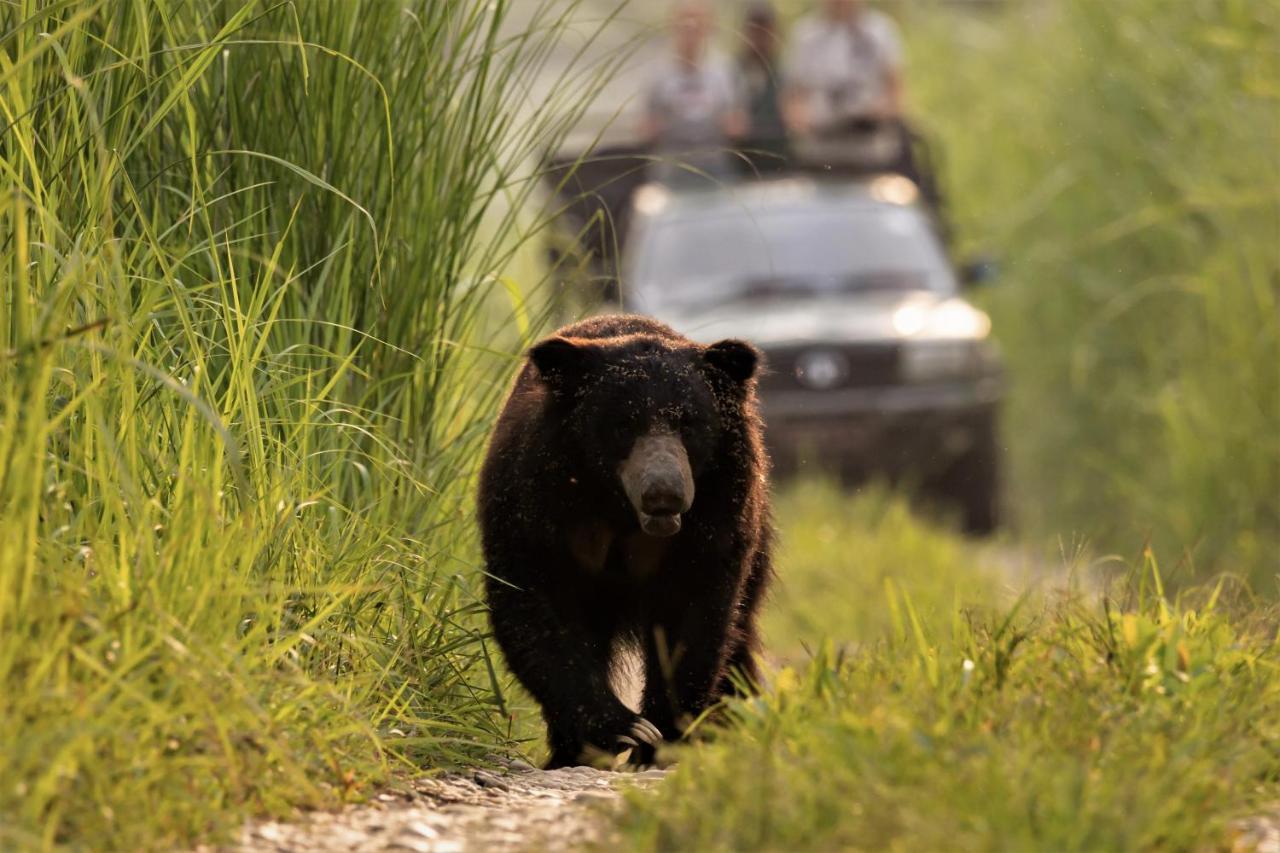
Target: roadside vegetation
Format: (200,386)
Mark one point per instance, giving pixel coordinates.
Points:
(245,252)
(936,717)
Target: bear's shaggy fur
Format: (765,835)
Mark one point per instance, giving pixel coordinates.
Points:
(624,499)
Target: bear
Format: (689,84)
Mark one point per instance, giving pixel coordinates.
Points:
(623,503)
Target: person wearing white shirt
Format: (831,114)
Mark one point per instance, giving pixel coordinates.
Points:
(694,104)
(844,65)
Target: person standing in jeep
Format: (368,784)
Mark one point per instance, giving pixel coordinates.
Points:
(844,65)
(843,99)
(694,103)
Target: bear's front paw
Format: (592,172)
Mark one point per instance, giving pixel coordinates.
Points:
(641,731)
(625,731)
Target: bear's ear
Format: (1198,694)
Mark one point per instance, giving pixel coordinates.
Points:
(561,362)
(736,359)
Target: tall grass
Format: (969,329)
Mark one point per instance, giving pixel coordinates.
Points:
(247,249)
(1121,159)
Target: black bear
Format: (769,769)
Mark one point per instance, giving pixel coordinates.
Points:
(624,501)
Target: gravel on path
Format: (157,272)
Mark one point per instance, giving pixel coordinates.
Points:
(516,808)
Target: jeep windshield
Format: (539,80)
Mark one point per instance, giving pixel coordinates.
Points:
(739,254)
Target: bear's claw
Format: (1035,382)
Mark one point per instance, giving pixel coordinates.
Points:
(646,732)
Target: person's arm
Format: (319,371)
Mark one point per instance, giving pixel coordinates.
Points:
(653,124)
(797,83)
(892,102)
(892,105)
(734,122)
(652,127)
(796,113)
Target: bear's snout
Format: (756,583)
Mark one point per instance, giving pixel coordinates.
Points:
(658,482)
(663,494)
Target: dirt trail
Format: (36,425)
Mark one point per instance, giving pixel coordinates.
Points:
(519,808)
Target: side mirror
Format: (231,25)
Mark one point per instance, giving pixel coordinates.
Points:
(981,269)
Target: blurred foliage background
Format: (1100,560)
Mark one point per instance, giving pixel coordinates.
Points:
(1120,160)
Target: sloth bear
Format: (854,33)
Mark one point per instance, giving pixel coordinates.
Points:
(624,502)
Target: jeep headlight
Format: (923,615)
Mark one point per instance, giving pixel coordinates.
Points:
(954,319)
(930,360)
(942,341)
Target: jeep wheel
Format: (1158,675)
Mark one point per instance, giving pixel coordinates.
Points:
(971,485)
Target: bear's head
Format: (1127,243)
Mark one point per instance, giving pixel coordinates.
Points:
(644,416)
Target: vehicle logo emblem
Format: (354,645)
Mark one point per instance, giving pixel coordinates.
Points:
(821,369)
